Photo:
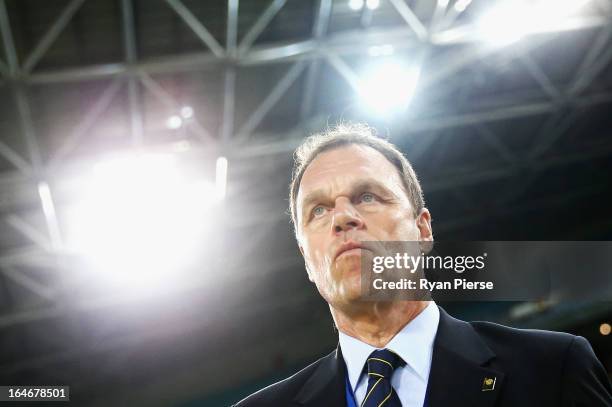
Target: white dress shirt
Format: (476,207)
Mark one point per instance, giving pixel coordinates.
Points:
(414,343)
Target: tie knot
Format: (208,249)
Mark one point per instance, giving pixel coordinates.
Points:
(383,362)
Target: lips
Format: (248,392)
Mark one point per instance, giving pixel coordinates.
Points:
(346,246)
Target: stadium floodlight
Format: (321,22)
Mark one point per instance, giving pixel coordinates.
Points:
(186,112)
(139,220)
(388,87)
(461,5)
(174,122)
(355,4)
(501,25)
(372,4)
(510,20)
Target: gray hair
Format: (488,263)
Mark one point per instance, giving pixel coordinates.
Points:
(343,135)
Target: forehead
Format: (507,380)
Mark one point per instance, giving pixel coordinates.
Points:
(344,165)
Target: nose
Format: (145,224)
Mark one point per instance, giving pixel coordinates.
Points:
(346,217)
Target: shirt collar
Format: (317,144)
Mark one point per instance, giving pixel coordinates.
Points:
(414,343)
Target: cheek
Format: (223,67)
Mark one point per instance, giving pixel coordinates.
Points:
(396,226)
(314,254)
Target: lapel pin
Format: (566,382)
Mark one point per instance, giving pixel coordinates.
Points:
(489,383)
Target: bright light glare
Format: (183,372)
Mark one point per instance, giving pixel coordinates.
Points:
(355,4)
(174,122)
(372,4)
(187,112)
(46,199)
(381,50)
(139,220)
(511,20)
(221,177)
(461,5)
(501,25)
(181,146)
(388,87)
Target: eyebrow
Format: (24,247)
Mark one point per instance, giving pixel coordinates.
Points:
(361,185)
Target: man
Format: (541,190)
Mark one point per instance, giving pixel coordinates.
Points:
(348,187)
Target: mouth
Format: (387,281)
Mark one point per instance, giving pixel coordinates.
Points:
(348,248)
(351,252)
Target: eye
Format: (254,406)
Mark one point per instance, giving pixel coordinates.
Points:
(318,211)
(368,197)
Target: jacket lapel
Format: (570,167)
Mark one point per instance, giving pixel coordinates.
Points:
(326,385)
(459,374)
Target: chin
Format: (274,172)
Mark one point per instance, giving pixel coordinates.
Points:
(350,291)
(347,267)
(346,285)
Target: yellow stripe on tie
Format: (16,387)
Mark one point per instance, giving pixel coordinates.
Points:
(382,360)
(376,374)
(386,398)
(370,392)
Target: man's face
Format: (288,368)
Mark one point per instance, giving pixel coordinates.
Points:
(349,195)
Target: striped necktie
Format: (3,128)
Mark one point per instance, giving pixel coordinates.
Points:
(381,365)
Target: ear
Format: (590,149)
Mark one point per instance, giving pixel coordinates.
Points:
(423,222)
(306,265)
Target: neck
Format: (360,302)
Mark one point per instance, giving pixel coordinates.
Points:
(377,323)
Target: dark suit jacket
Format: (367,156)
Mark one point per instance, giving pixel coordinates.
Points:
(529,367)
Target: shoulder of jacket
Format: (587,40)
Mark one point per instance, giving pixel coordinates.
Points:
(523,339)
(283,389)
